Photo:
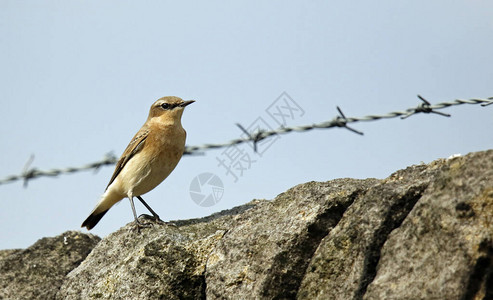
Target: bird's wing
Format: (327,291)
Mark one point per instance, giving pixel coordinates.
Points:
(135,145)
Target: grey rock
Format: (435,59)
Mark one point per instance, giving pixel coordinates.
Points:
(425,232)
(158,262)
(7,252)
(346,259)
(444,247)
(38,271)
(266,251)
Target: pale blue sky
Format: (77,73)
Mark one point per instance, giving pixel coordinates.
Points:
(77,79)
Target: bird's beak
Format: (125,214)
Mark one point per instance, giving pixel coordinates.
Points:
(186,103)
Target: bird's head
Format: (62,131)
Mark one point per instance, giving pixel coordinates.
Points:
(168,109)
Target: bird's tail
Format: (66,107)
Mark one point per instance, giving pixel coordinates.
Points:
(107,201)
(93,219)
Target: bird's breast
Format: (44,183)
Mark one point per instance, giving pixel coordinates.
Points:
(162,152)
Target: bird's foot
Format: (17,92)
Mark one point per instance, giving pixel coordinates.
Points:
(155,218)
(137,225)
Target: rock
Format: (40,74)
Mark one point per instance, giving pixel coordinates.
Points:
(346,259)
(160,262)
(38,271)
(425,232)
(444,247)
(266,251)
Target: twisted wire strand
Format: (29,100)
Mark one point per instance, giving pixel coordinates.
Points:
(339,121)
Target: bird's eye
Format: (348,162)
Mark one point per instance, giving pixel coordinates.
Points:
(165,106)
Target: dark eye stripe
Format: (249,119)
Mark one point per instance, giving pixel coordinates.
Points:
(168,106)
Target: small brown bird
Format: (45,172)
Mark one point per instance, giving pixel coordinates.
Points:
(149,158)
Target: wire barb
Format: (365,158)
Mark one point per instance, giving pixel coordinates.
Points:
(108,159)
(255,138)
(424,107)
(29,173)
(341,121)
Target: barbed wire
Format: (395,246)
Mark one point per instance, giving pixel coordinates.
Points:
(339,121)
(31,173)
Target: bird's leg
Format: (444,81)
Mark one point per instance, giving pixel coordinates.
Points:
(154,214)
(137,223)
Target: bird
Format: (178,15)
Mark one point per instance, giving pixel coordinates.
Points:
(149,158)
